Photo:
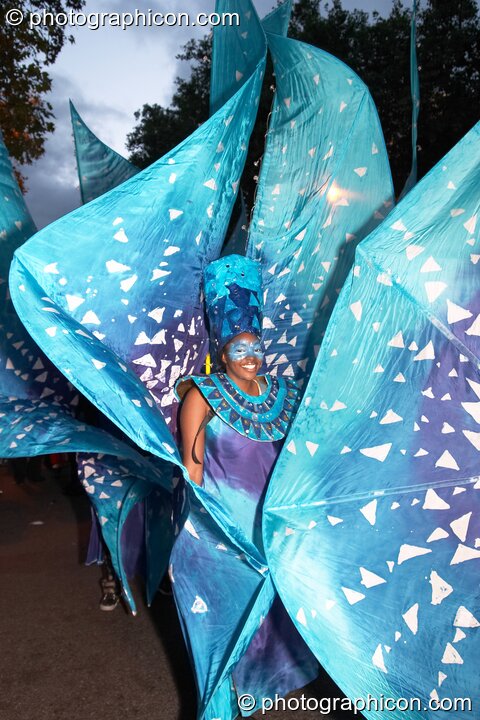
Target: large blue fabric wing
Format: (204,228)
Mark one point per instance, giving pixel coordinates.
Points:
(325,183)
(99,167)
(373,541)
(124,317)
(99,170)
(131,315)
(38,404)
(236,52)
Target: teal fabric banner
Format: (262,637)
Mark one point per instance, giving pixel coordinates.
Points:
(99,167)
(324,185)
(235,53)
(237,242)
(136,320)
(38,405)
(372,518)
(122,319)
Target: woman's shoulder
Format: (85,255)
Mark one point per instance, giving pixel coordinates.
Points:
(201,384)
(194,404)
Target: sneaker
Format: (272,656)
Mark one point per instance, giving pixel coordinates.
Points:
(110,597)
(109,601)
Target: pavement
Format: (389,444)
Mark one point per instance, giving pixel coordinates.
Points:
(61,658)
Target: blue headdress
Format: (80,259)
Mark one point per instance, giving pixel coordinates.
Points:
(233,297)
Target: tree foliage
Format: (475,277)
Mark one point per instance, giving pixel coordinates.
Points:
(378,49)
(26,116)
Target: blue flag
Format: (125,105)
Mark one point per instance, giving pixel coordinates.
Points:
(99,167)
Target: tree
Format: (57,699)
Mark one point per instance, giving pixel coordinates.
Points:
(378,49)
(448,50)
(449,58)
(26,117)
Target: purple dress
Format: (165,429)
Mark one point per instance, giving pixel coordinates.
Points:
(239,635)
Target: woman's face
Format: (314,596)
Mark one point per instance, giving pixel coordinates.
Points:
(243,356)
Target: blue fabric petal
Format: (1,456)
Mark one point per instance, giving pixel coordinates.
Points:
(324,185)
(378,567)
(104,290)
(99,167)
(38,404)
(125,299)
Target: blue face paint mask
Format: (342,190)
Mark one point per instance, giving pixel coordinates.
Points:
(241,349)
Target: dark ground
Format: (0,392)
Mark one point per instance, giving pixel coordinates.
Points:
(61,658)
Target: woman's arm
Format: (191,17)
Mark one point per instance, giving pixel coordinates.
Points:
(193,412)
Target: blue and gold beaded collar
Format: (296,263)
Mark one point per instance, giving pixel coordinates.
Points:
(263,418)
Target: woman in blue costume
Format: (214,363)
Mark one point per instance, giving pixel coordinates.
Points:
(233,424)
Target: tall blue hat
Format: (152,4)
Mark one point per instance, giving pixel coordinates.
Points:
(233,297)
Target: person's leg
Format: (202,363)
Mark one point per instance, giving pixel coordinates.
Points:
(110,586)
